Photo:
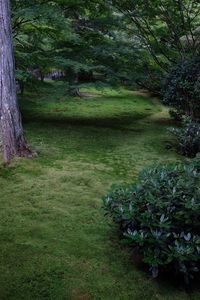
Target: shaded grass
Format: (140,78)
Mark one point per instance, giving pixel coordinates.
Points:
(55,241)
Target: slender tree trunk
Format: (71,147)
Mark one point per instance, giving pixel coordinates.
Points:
(75,91)
(41,76)
(13,143)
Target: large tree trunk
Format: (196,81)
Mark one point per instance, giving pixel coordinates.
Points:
(13,143)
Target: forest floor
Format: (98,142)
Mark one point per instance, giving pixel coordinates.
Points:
(55,242)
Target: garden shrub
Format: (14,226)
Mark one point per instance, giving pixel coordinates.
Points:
(188,137)
(159,216)
(176,115)
(181,88)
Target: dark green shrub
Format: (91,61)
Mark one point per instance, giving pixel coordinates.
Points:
(181,88)
(188,137)
(175,115)
(160,217)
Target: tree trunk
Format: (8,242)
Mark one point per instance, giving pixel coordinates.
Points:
(41,76)
(74,90)
(13,143)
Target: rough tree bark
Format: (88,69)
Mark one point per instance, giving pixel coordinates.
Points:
(13,142)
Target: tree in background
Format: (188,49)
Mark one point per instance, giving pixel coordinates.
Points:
(36,26)
(97,49)
(168,30)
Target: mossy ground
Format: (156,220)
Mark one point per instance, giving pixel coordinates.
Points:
(55,240)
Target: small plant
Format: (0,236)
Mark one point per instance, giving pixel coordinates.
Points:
(160,217)
(188,137)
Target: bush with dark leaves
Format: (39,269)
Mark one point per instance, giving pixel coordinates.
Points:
(188,137)
(160,217)
(176,115)
(181,88)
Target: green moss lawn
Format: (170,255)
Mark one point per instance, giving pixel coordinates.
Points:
(55,242)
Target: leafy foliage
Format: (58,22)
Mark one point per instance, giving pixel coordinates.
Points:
(166,29)
(188,137)
(74,37)
(181,88)
(167,33)
(159,216)
(149,75)
(116,41)
(175,115)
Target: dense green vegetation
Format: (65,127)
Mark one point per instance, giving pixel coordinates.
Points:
(181,88)
(55,241)
(132,42)
(188,137)
(159,218)
(86,74)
